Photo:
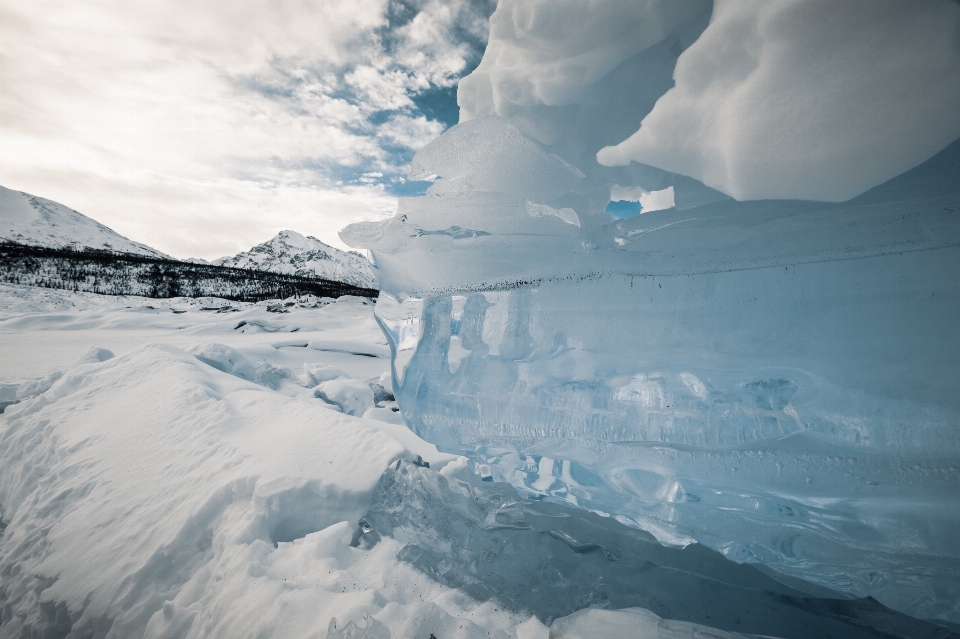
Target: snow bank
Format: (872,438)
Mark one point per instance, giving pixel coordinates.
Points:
(351,396)
(152,495)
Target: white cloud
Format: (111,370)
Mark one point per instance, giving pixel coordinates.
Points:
(202,127)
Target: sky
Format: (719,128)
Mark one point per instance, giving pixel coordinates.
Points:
(203,127)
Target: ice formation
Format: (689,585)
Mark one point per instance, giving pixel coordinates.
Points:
(550,560)
(777,379)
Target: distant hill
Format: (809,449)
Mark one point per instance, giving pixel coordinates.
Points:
(36,221)
(43,243)
(290,253)
(111,273)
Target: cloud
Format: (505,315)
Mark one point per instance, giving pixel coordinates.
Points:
(204,127)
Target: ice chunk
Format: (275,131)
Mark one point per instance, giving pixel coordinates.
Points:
(489,154)
(351,395)
(318,373)
(553,561)
(775,379)
(272,375)
(822,79)
(380,394)
(741,374)
(226,359)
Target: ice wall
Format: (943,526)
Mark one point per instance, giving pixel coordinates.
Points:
(777,379)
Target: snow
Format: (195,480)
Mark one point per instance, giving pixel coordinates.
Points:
(720,91)
(174,489)
(351,396)
(291,253)
(161,493)
(858,92)
(28,219)
(717,417)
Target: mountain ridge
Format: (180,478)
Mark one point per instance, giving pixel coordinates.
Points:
(292,253)
(31,220)
(36,221)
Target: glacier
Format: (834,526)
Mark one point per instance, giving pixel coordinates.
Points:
(770,367)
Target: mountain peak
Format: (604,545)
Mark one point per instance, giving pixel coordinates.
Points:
(292,253)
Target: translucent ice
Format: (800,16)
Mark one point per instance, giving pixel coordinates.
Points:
(776,379)
(552,561)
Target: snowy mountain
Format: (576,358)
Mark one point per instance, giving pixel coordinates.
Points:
(37,221)
(293,254)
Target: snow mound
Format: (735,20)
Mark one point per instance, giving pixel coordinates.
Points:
(28,219)
(95,355)
(291,253)
(351,396)
(154,496)
(226,359)
(318,373)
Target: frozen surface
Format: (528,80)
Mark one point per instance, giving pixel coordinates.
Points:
(159,493)
(202,490)
(776,379)
(483,539)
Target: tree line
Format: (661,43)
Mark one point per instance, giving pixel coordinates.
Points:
(111,273)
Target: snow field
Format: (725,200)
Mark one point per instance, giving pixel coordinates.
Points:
(153,494)
(202,490)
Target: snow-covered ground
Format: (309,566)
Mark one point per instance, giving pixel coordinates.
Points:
(153,494)
(206,468)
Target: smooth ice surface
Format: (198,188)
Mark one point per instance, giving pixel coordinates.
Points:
(778,379)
